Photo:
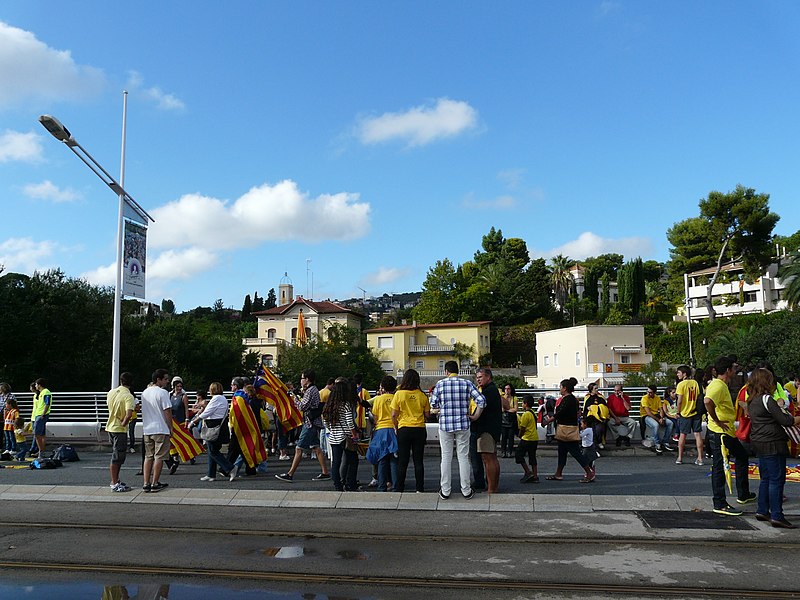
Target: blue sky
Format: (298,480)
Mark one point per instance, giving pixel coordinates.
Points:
(375,138)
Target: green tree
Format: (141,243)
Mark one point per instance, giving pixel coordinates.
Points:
(790,243)
(247,308)
(439,300)
(258,303)
(167,306)
(789,272)
(271,301)
(737,226)
(561,279)
(604,263)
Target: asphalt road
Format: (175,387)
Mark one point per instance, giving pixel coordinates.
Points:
(634,471)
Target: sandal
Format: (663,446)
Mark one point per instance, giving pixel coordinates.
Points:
(587,480)
(554,478)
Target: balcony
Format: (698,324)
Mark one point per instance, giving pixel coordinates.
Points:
(260,342)
(417,350)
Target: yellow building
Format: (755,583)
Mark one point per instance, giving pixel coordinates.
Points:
(427,347)
(278,326)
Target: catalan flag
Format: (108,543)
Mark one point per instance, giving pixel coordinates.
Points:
(245,427)
(273,390)
(183,444)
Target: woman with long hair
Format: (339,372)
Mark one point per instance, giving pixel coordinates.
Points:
(410,407)
(338,416)
(567,434)
(769,441)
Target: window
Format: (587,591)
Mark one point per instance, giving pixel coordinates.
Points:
(268,360)
(555,359)
(616,297)
(751,296)
(271,333)
(441,365)
(546,361)
(432,340)
(625,359)
(420,364)
(387,366)
(412,340)
(577,359)
(386,342)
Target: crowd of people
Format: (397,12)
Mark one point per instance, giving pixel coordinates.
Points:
(743,412)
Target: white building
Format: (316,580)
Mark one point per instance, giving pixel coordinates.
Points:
(734,296)
(589,353)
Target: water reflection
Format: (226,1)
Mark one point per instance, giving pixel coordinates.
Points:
(149,591)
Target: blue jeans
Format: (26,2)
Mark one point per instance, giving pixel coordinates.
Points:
(215,457)
(11,441)
(387,468)
(653,428)
(350,467)
(772,470)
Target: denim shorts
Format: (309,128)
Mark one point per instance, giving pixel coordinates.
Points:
(40,425)
(689,425)
(309,438)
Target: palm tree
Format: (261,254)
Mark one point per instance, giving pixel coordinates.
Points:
(561,279)
(789,272)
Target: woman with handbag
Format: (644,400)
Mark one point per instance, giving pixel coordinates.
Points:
(338,415)
(215,433)
(769,439)
(568,435)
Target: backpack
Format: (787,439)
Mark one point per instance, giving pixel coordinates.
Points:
(66,453)
(45,463)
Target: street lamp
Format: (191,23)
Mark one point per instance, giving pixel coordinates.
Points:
(127,206)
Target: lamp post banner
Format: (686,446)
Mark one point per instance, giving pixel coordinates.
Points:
(135,254)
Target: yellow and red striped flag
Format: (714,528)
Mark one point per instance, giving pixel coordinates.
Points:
(183,444)
(245,427)
(273,390)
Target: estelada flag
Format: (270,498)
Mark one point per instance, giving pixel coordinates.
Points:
(271,389)
(245,427)
(183,444)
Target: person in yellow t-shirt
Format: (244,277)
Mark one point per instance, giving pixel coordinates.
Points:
(651,411)
(410,407)
(689,422)
(382,451)
(528,440)
(120,403)
(721,414)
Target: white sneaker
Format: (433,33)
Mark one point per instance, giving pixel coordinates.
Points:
(373,483)
(120,487)
(207,478)
(647,443)
(233,475)
(284,457)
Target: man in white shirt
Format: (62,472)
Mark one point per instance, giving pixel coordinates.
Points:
(157,427)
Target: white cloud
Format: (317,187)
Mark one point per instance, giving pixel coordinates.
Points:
(264,214)
(47,190)
(15,145)
(29,69)
(419,125)
(168,266)
(24,255)
(591,244)
(162,100)
(503,202)
(385,275)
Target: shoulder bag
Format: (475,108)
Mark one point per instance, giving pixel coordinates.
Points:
(793,431)
(568,433)
(211,434)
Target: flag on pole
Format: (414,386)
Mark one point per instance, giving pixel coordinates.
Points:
(183,444)
(302,337)
(273,390)
(245,427)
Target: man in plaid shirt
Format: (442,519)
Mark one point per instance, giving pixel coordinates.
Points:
(452,397)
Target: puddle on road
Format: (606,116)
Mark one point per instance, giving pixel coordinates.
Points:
(351,555)
(148,591)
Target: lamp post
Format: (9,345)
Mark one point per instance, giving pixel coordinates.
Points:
(62,134)
(688,305)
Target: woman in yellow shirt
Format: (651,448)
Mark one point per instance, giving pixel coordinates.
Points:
(382,451)
(410,407)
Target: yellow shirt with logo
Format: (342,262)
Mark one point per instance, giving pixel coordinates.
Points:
(689,392)
(719,394)
(654,404)
(382,411)
(527,420)
(412,406)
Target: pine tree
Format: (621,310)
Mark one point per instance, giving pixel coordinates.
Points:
(247,308)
